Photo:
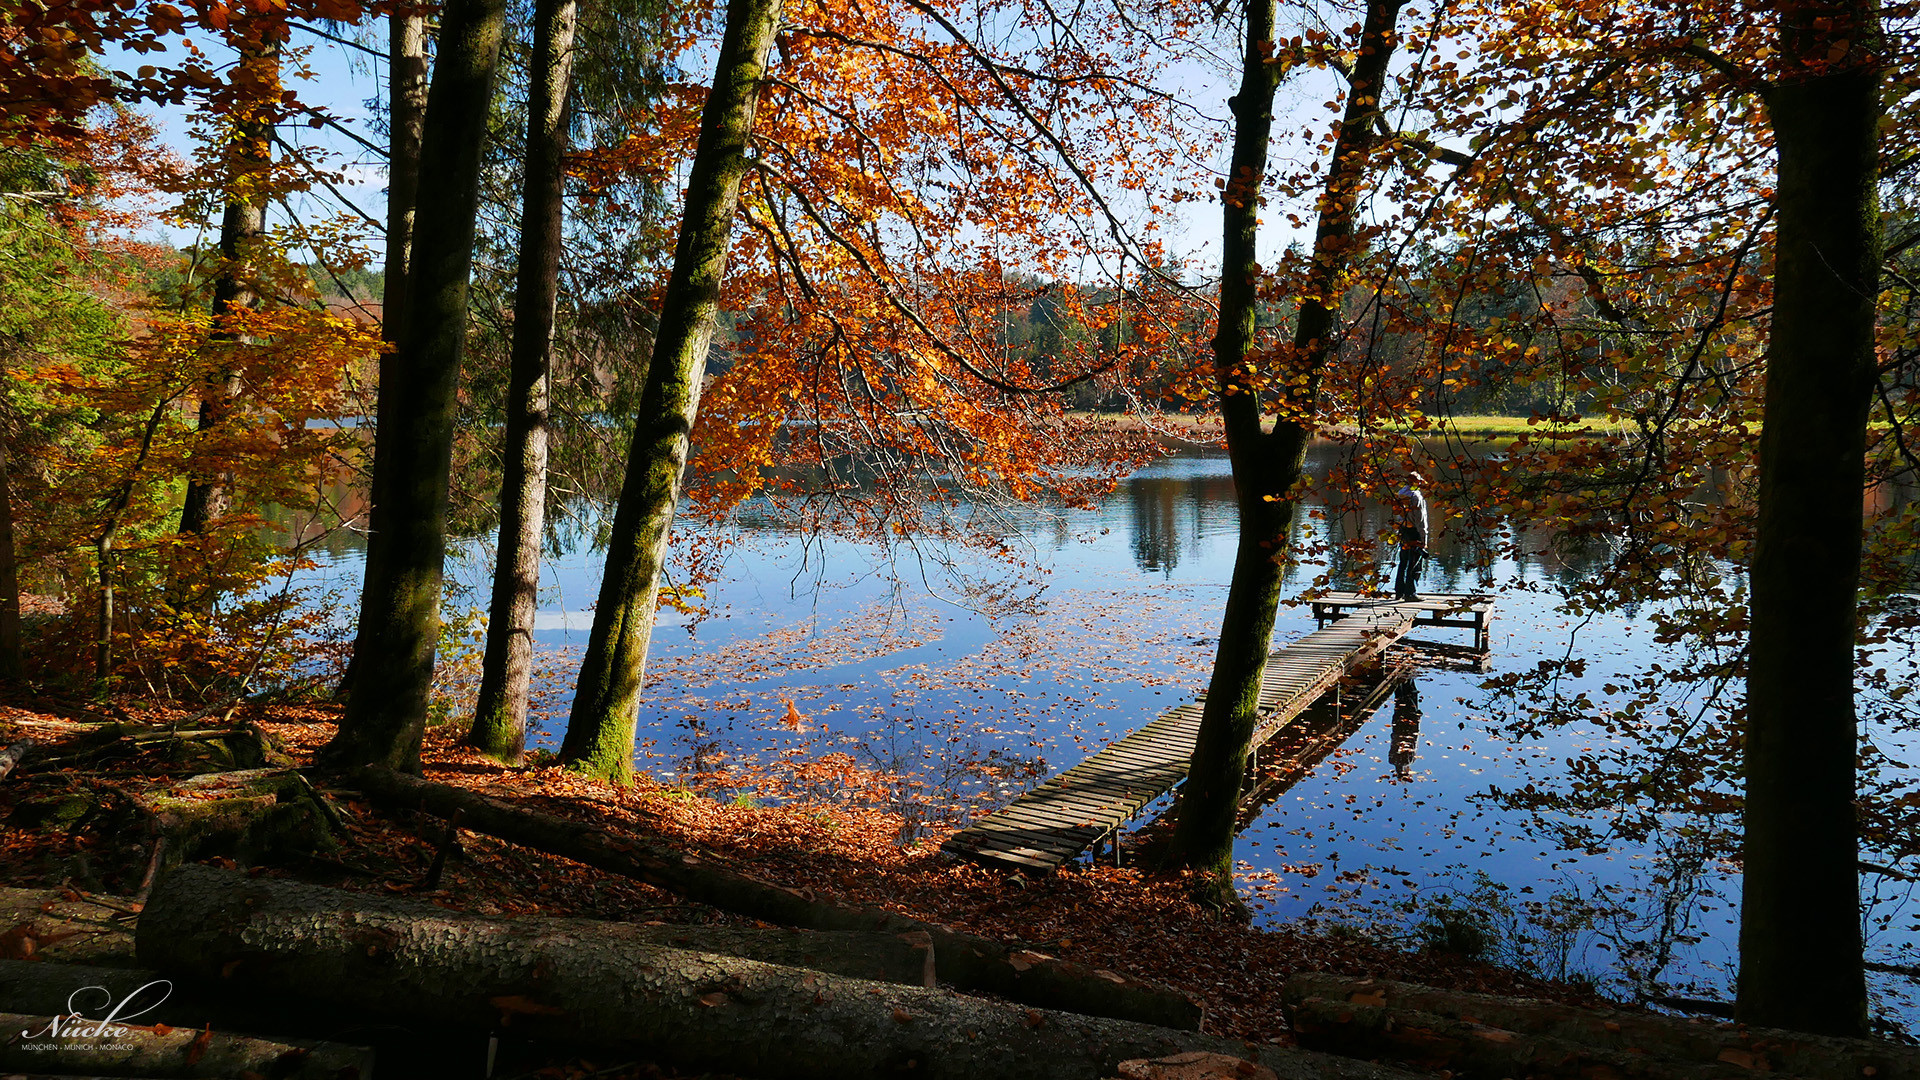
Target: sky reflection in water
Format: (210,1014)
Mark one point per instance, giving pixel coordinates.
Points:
(907,666)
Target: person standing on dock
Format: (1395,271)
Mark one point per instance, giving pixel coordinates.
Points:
(1410,518)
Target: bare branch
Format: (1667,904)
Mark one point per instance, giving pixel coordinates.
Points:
(371,147)
(906,311)
(345,42)
(1746,81)
(294,153)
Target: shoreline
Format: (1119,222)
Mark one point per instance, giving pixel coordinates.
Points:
(1192,428)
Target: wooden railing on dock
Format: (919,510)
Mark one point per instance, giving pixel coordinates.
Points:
(1071,812)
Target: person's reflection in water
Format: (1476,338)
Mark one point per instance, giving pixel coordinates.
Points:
(1406,727)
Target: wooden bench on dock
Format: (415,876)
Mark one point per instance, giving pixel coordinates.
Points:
(1064,816)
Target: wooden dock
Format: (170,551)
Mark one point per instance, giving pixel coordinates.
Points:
(1467,611)
(1075,810)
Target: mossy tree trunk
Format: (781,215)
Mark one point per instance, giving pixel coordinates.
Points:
(1268,461)
(599,738)
(1800,937)
(500,714)
(385,717)
(406,127)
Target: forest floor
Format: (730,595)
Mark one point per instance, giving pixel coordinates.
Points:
(1117,918)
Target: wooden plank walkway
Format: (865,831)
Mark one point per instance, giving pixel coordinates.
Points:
(1064,816)
(1468,611)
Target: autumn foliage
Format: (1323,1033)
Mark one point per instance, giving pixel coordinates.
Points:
(101,424)
(911,191)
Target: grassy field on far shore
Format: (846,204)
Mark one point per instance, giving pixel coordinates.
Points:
(1467,427)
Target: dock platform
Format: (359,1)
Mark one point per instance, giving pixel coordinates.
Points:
(1064,816)
(1468,611)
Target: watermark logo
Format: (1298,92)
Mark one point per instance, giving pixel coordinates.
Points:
(74,1030)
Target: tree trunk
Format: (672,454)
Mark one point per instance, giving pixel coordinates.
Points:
(406,119)
(506,675)
(401,1049)
(1267,464)
(63,931)
(255,816)
(13,664)
(599,739)
(103,606)
(210,487)
(966,960)
(701,1010)
(406,124)
(907,959)
(386,712)
(42,1043)
(1800,937)
(600,735)
(46,988)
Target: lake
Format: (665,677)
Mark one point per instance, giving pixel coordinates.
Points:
(961,678)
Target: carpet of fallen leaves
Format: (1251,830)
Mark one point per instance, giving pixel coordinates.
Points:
(1118,918)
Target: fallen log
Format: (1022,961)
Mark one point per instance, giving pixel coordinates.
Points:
(966,961)
(69,1044)
(402,1049)
(11,754)
(44,924)
(41,988)
(240,746)
(1194,1065)
(907,959)
(701,1010)
(1480,1034)
(1468,1051)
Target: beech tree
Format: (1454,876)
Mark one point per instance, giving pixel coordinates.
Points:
(1255,381)
(242,221)
(1800,936)
(1689,152)
(867,298)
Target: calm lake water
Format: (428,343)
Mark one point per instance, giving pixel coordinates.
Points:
(974,677)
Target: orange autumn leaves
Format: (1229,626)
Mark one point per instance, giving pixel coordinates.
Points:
(912,194)
(55,57)
(102,426)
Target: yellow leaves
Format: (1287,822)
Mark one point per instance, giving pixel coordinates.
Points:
(683,598)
